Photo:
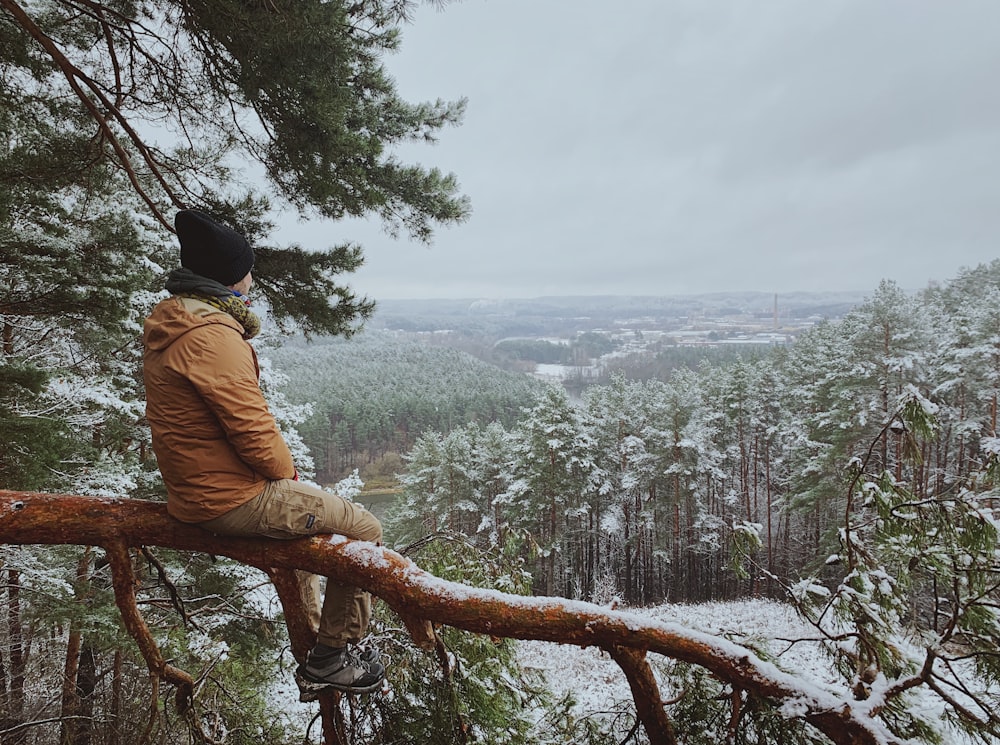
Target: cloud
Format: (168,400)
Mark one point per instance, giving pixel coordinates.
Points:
(661,146)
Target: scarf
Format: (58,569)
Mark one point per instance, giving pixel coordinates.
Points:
(185,283)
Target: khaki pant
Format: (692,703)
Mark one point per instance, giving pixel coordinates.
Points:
(290,509)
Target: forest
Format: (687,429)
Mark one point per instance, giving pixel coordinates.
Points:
(850,475)
(372,395)
(650,489)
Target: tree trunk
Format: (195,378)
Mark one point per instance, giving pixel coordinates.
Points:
(115,728)
(770,533)
(4,695)
(14,715)
(86,684)
(70,698)
(70,724)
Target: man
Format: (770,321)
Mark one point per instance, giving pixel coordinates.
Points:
(224,462)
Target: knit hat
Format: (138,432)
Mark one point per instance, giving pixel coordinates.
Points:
(211,249)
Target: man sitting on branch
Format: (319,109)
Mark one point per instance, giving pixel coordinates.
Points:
(224,462)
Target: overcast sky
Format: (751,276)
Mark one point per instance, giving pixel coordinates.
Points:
(653,147)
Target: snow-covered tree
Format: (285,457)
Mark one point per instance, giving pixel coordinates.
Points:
(549,481)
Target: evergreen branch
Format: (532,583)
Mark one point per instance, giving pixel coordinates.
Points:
(935,682)
(113,55)
(901,686)
(73,75)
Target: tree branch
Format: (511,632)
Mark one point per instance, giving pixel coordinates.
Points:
(302,636)
(124,584)
(175,597)
(300,632)
(73,75)
(646,693)
(115,524)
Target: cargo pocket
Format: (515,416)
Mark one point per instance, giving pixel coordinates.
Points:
(294,514)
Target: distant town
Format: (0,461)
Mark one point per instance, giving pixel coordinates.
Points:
(562,338)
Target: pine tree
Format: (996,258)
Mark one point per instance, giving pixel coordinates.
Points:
(34,443)
(295,89)
(492,457)
(418,511)
(549,480)
(624,472)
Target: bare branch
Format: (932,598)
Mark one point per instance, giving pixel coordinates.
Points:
(125,584)
(175,598)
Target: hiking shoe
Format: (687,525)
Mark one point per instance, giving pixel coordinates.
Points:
(346,670)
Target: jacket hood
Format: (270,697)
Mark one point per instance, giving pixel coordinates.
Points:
(174,317)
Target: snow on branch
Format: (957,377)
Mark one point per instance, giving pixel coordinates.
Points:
(118,524)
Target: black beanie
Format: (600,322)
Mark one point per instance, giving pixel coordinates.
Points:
(211,249)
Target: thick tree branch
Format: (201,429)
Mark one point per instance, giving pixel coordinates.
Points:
(27,517)
(300,631)
(302,636)
(421,632)
(125,583)
(646,693)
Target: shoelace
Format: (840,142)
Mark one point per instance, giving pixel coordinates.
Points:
(353,657)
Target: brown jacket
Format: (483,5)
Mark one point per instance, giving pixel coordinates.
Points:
(215,440)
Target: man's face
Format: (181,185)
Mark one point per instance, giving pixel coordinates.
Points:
(243,286)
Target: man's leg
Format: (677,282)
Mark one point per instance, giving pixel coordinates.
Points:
(312,595)
(246,520)
(295,508)
(290,509)
(299,509)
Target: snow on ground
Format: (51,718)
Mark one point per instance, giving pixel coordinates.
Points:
(597,684)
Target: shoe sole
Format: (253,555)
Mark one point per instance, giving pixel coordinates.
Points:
(310,690)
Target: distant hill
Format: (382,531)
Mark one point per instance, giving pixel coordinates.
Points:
(539,316)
